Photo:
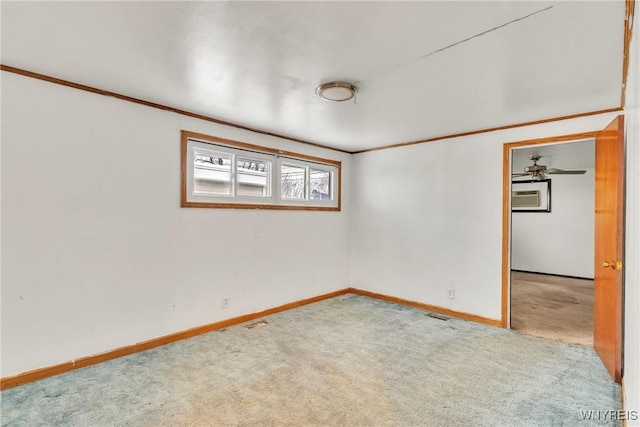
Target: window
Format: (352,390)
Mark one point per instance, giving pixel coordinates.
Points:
(219,173)
(293,181)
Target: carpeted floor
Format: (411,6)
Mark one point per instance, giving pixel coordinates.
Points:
(553,307)
(347,361)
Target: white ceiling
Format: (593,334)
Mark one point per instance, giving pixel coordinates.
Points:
(423,69)
(567,155)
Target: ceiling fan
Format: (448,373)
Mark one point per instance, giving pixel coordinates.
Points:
(537,172)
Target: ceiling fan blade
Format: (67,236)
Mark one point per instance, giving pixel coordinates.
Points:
(519,174)
(564,172)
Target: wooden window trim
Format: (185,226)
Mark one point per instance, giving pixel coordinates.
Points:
(187,135)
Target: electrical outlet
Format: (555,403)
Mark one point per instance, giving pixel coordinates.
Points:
(451,294)
(225,302)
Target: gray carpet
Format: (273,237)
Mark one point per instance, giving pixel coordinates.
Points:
(347,361)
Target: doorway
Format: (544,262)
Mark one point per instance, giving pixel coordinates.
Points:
(609,238)
(552,235)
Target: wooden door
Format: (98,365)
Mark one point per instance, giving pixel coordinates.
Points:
(609,197)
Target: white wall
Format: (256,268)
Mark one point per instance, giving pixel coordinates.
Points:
(560,241)
(632,243)
(98,254)
(428,217)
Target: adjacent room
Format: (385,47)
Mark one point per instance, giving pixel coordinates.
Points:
(320,213)
(552,236)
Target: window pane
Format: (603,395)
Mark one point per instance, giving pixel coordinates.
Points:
(292,182)
(320,185)
(212,174)
(222,173)
(253,177)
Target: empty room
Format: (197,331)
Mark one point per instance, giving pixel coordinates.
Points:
(319,213)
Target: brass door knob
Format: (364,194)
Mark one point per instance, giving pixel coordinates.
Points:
(612,264)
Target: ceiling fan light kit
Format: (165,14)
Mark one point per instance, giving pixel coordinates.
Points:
(537,172)
(336,91)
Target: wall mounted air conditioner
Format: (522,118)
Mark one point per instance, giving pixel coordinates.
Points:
(525,199)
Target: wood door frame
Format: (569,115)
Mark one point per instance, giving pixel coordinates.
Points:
(506,210)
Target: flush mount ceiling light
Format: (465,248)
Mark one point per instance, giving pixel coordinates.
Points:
(336,91)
